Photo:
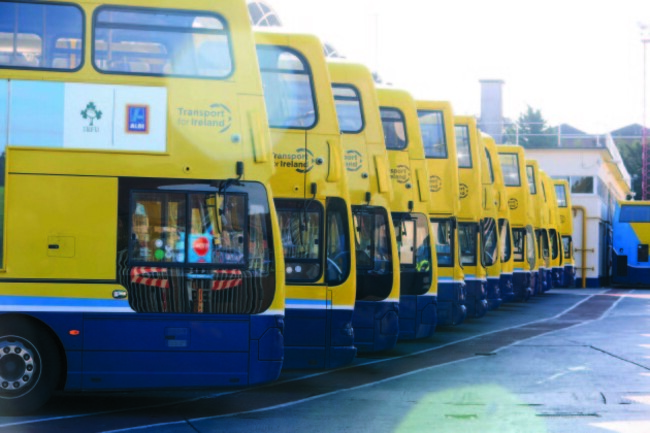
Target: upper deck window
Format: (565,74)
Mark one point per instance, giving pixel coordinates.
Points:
(530,172)
(635,214)
(394,125)
(41,36)
(560,192)
(288,88)
(433,134)
(510,168)
(489,164)
(462,146)
(161,42)
(349,109)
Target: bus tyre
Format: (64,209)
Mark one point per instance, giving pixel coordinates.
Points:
(30,366)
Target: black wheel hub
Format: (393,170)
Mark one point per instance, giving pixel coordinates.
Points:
(17,366)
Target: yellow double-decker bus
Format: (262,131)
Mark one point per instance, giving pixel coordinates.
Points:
(438,137)
(540,223)
(503,219)
(140,246)
(409,178)
(554,239)
(492,244)
(470,215)
(312,201)
(513,166)
(565,224)
(376,320)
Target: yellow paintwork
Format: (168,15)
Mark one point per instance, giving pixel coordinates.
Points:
(373,176)
(520,203)
(408,170)
(565,219)
(553,218)
(444,183)
(496,196)
(323,140)
(71,195)
(540,217)
(472,191)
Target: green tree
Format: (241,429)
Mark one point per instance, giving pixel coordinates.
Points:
(532,130)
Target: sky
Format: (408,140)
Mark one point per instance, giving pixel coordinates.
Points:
(579,62)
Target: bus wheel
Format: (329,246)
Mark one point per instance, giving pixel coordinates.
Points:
(30,366)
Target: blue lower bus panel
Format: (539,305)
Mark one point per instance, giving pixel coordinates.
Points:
(376,325)
(507,288)
(451,302)
(476,300)
(624,273)
(494,299)
(558,277)
(569,276)
(143,351)
(418,316)
(522,285)
(318,338)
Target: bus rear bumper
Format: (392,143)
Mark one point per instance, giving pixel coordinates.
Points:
(522,285)
(507,288)
(476,300)
(376,325)
(331,328)
(418,316)
(494,298)
(451,299)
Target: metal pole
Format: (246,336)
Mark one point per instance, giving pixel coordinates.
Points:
(644,138)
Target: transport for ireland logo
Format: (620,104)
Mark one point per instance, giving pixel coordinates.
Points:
(91,113)
(302,160)
(435,183)
(353,160)
(464,190)
(402,174)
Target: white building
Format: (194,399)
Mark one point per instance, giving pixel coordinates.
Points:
(597,177)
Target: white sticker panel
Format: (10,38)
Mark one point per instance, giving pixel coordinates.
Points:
(83,116)
(140,119)
(88,116)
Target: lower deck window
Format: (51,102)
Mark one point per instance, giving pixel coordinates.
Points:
(519,243)
(567,246)
(301,227)
(445,234)
(195,248)
(468,240)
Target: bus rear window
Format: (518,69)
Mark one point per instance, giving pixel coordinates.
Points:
(560,192)
(463,147)
(433,134)
(394,126)
(635,214)
(40,36)
(288,88)
(348,108)
(161,42)
(510,168)
(532,186)
(197,228)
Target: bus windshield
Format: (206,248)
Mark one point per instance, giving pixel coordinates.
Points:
(468,239)
(504,238)
(445,234)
